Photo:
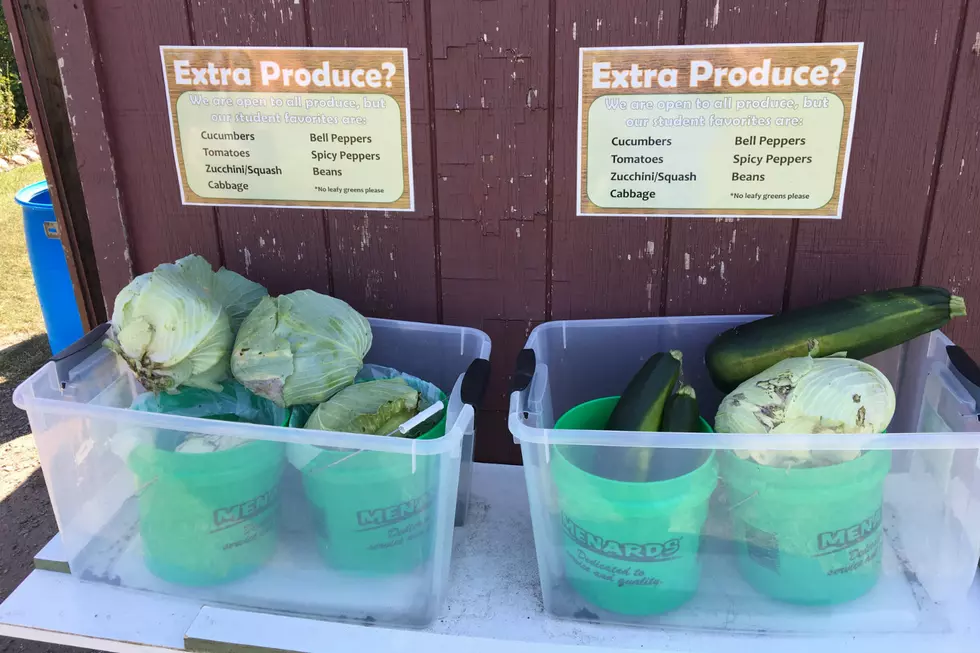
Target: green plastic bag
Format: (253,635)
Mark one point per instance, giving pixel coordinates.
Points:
(234,403)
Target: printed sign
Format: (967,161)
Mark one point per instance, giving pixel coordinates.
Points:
(291,127)
(716,131)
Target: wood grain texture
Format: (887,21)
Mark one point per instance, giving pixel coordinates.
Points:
(283,249)
(129,36)
(603,266)
(951,252)
(478,242)
(73,34)
(491,94)
(494,443)
(735,265)
(490,79)
(384,264)
(908,54)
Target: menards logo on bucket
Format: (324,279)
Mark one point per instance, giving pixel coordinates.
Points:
(374,518)
(230,516)
(831,542)
(650,552)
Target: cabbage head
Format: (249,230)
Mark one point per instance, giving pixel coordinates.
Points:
(372,407)
(833,395)
(173,326)
(236,294)
(300,348)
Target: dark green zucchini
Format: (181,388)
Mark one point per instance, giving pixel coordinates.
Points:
(640,408)
(681,413)
(861,325)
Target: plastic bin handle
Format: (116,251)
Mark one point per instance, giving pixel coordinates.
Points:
(967,369)
(475,381)
(68,358)
(524,371)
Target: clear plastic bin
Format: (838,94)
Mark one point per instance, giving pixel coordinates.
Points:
(364,534)
(886,543)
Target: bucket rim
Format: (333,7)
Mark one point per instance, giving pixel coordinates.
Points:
(679,483)
(27,195)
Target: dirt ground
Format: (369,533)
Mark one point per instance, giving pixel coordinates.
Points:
(26,520)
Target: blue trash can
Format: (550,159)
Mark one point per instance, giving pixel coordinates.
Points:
(50,267)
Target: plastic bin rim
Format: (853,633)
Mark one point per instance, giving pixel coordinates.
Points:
(525,433)
(450,441)
(444,328)
(26,195)
(637,321)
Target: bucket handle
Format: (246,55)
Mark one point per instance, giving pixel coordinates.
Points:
(146,486)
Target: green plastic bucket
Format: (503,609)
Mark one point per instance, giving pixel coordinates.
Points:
(630,548)
(208,518)
(809,536)
(374,514)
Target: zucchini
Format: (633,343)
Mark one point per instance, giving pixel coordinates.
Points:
(859,326)
(640,408)
(681,413)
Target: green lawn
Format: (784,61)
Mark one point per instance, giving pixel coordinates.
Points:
(20,313)
(23,343)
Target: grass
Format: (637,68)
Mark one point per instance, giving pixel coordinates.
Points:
(23,344)
(20,312)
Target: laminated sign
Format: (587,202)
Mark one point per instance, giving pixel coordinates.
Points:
(291,127)
(716,131)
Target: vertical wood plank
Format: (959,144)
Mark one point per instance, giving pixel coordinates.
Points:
(283,249)
(603,267)
(728,265)
(384,264)
(952,252)
(129,36)
(900,108)
(30,32)
(491,93)
(85,105)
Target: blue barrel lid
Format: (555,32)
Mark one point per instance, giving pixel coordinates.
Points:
(34,196)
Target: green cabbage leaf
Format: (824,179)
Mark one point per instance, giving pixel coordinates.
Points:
(300,348)
(833,395)
(372,407)
(174,326)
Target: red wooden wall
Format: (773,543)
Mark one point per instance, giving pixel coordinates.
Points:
(494,242)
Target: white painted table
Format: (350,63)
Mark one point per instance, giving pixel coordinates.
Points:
(494,605)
